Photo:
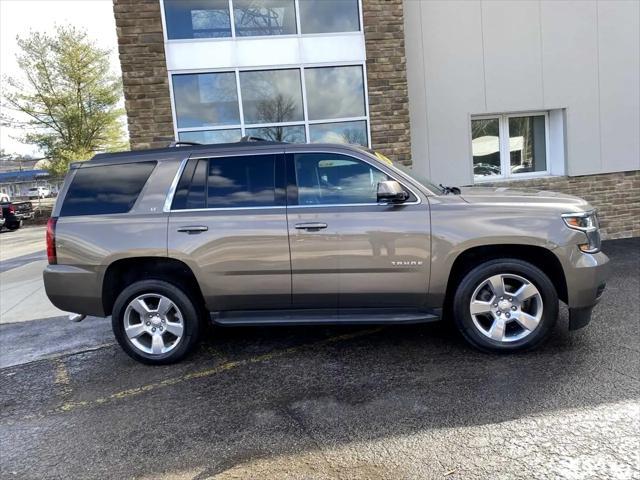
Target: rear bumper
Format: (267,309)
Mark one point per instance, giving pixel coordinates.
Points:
(74,289)
(586,276)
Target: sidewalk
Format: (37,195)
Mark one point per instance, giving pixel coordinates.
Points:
(22,260)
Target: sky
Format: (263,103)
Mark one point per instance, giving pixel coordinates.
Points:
(21,16)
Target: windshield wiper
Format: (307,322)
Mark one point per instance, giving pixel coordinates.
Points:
(447,190)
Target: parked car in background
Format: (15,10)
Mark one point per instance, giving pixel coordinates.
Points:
(38,192)
(2,220)
(267,233)
(15,213)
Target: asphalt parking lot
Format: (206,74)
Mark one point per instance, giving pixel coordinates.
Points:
(318,402)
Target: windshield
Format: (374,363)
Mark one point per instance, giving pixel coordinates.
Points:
(406,170)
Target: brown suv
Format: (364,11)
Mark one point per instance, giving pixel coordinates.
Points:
(262,233)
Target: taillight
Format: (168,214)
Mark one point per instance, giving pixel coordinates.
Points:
(12,209)
(51,240)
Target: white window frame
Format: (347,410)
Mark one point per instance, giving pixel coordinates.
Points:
(305,122)
(505,156)
(233,36)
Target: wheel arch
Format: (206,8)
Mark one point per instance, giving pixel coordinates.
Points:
(124,272)
(540,257)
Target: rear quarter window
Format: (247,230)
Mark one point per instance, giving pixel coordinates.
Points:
(106,189)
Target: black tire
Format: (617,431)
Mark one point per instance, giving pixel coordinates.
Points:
(190,317)
(14,225)
(473,279)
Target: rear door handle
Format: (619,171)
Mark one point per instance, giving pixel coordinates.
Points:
(193,229)
(310,226)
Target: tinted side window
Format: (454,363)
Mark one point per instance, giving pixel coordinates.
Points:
(230,182)
(329,179)
(106,189)
(241,182)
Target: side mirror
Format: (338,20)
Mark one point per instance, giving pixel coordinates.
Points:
(391,191)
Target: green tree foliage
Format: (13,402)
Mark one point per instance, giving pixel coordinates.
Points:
(68,95)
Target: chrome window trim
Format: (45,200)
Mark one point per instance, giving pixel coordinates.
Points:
(174,185)
(275,151)
(223,209)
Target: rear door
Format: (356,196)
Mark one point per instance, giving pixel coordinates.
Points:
(347,250)
(228,222)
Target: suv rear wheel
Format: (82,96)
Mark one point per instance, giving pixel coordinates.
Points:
(155,322)
(505,305)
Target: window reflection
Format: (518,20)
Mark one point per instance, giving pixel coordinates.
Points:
(209,99)
(527,144)
(335,179)
(271,96)
(326,16)
(197,18)
(264,17)
(241,182)
(335,92)
(485,143)
(294,134)
(341,132)
(211,136)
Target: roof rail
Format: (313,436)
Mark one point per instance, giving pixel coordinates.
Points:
(181,143)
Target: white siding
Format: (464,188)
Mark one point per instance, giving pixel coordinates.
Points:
(475,57)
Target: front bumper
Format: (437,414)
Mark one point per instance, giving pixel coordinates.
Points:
(586,276)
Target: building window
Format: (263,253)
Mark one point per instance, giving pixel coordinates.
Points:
(271,96)
(510,145)
(329,16)
(197,19)
(335,92)
(189,19)
(264,17)
(206,100)
(296,105)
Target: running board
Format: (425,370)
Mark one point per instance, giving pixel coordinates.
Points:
(324,317)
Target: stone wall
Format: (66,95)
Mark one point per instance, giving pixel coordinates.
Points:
(615,195)
(387,78)
(144,72)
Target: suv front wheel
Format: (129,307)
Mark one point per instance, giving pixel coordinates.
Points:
(155,322)
(505,305)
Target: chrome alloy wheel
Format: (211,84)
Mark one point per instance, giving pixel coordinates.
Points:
(506,307)
(153,324)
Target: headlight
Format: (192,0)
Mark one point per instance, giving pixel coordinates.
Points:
(586,222)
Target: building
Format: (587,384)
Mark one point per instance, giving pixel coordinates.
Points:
(17,183)
(535,93)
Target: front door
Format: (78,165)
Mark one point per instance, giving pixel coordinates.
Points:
(228,223)
(348,250)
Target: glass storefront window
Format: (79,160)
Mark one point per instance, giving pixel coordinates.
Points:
(335,92)
(264,17)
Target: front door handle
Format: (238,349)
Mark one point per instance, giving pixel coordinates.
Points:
(190,229)
(310,226)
